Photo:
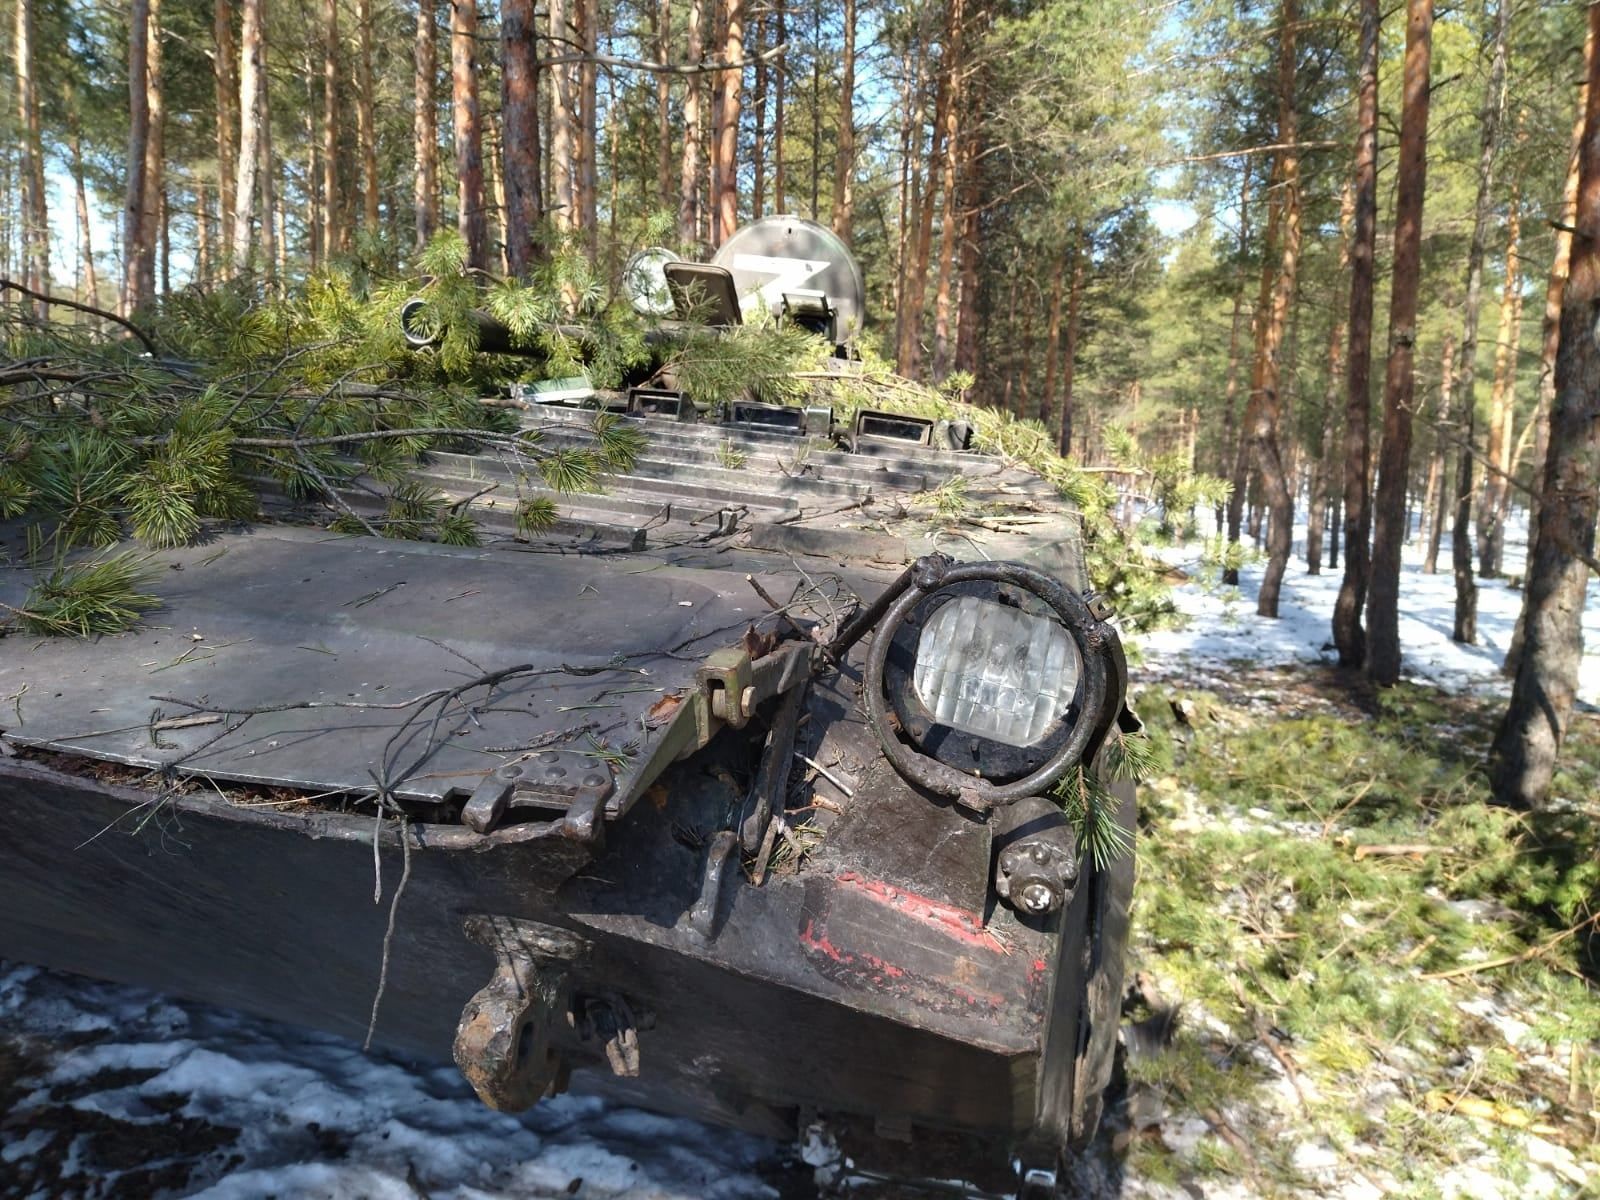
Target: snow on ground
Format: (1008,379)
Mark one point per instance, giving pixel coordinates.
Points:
(108,1091)
(1222,626)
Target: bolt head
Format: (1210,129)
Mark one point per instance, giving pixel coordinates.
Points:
(1039,898)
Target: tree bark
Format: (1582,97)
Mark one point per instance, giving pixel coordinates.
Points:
(1555,288)
(133,222)
(1437,470)
(954,67)
(35,205)
(1502,398)
(844,173)
(1230,387)
(251,86)
(1323,468)
(1244,483)
(1494,103)
(332,227)
(663,18)
(155,157)
(780,71)
(1348,634)
(1399,384)
(471,219)
(727,201)
(1069,353)
(366,119)
(967,311)
(1523,757)
(689,186)
(425,123)
(519,123)
(588,20)
(271,224)
(224,71)
(909,355)
(90,282)
(1267,382)
(1052,332)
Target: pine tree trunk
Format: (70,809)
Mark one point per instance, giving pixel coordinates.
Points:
(1052,332)
(780,197)
(471,219)
(1493,112)
(1437,484)
(1244,481)
(588,20)
(954,67)
(967,311)
(311,164)
(366,120)
(251,86)
(202,235)
(425,123)
(88,279)
(1069,353)
(689,185)
(1348,634)
(224,71)
(495,202)
(332,230)
(134,225)
(844,174)
(727,201)
(663,19)
(1324,467)
(910,183)
(155,156)
(1399,384)
(1230,387)
(1502,398)
(909,356)
(35,202)
(758,146)
(1550,329)
(1268,383)
(1523,757)
(267,177)
(519,121)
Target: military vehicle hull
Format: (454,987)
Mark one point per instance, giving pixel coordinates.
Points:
(306,791)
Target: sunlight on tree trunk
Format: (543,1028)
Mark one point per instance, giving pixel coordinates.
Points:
(1399,383)
(1523,758)
(471,219)
(1348,634)
(425,124)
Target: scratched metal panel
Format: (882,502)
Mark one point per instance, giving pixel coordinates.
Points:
(285,616)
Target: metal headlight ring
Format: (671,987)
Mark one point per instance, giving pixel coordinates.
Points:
(934,573)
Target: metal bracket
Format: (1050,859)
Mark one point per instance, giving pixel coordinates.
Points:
(503,1040)
(550,779)
(702,918)
(726,680)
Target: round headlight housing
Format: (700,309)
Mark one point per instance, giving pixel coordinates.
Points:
(979,679)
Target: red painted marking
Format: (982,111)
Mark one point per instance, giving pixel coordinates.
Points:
(946,918)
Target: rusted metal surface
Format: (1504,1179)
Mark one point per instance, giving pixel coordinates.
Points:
(503,1044)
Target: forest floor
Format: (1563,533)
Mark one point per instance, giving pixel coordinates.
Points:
(1350,976)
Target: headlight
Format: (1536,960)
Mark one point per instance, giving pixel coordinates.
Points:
(985,682)
(995,671)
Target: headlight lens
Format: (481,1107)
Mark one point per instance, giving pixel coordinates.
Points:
(995,671)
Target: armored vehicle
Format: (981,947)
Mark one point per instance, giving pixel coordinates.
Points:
(733,793)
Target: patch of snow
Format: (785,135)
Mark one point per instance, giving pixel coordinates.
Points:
(1222,627)
(316,1117)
